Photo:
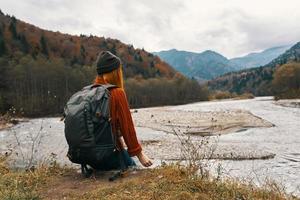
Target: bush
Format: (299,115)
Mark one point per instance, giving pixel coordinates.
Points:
(222,95)
(246,95)
(289,94)
(227,95)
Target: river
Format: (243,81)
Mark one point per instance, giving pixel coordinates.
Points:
(283,140)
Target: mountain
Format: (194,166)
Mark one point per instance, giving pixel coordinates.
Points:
(18,37)
(291,55)
(205,65)
(209,64)
(258,59)
(255,80)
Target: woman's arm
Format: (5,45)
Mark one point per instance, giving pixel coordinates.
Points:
(124,123)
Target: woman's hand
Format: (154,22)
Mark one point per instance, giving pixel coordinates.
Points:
(144,160)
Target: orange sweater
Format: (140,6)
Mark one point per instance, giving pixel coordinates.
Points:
(121,119)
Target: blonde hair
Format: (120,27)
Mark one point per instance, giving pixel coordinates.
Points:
(114,77)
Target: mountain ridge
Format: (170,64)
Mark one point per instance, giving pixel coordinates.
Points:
(197,65)
(255,80)
(257,59)
(206,68)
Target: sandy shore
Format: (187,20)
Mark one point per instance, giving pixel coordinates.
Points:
(197,123)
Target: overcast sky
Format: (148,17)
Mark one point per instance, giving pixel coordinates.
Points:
(230,27)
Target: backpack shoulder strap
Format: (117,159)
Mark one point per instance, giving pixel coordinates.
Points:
(106,86)
(90,86)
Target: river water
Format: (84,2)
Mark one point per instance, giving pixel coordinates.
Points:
(283,140)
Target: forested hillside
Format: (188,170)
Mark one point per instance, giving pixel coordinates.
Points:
(19,37)
(256,80)
(40,69)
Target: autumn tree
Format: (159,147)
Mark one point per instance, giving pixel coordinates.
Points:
(286,82)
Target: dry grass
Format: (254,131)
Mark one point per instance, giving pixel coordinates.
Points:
(24,184)
(172,182)
(167,182)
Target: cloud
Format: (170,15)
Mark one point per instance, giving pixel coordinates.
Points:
(231,27)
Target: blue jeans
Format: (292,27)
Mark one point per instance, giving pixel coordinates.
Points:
(114,162)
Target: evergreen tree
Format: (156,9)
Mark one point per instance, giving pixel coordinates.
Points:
(2,47)
(44,45)
(136,57)
(82,55)
(140,58)
(3,84)
(74,60)
(2,44)
(152,65)
(25,45)
(13,29)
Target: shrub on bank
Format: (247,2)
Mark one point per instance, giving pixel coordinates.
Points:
(227,95)
(289,94)
(221,95)
(246,95)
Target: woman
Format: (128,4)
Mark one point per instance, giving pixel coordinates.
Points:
(109,71)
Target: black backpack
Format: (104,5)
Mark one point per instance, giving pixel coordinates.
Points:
(88,129)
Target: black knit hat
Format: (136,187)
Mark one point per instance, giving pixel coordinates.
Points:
(107,62)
